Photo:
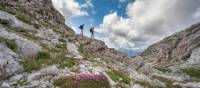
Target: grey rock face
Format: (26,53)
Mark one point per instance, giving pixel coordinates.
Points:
(42,78)
(26,47)
(40,12)
(73,50)
(13,21)
(174,49)
(44,12)
(194,60)
(48,34)
(195,57)
(9,63)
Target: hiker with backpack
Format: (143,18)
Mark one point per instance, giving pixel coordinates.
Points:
(81,27)
(92,32)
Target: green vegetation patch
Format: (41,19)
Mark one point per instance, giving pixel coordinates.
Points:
(167,81)
(43,59)
(146,84)
(24,32)
(24,18)
(43,55)
(119,76)
(81,49)
(163,69)
(7,9)
(9,43)
(192,72)
(22,82)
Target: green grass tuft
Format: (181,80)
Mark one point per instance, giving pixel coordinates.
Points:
(29,34)
(43,60)
(192,72)
(43,55)
(117,75)
(7,9)
(24,18)
(81,49)
(31,65)
(163,69)
(9,43)
(21,82)
(167,81)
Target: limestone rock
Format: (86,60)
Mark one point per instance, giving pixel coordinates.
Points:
(48,34)
(13,21)
(194,60)
(9,63)
(49,71)
(26,48)
(73,50)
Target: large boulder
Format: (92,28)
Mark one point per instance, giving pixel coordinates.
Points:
(73,50)
(9,63)
(194,60)
(42,78)
(12,21)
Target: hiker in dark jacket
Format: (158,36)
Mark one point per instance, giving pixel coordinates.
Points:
(92,32)
(81,27)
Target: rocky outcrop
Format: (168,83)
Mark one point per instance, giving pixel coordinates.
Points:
(194,60)
(38,13)
(98,48)
(26,48)
(9,63)
(42,10)
(174,49)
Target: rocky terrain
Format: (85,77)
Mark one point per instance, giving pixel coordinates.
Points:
(37,50)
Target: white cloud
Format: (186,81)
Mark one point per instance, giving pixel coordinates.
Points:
(148,22)
(122,0)
(71,8)
(87,4)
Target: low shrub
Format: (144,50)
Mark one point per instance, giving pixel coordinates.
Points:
(163,69)
(192,72)
(43,55)
(117,75)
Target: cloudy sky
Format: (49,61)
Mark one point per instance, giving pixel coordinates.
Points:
(130,25)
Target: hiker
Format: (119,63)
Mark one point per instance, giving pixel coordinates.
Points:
(81,28)
(92,32)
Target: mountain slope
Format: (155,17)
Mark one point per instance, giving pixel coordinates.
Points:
(175,60)
(174,49)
